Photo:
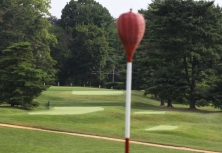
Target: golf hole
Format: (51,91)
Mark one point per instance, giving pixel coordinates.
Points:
(68,111)
(98,92)
(162,127)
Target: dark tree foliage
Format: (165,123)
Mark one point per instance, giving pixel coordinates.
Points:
(25,20)
(62,54)
(86,13)
(186,36)
(20,80)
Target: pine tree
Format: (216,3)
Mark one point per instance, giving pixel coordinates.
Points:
(187,39)
(20,80)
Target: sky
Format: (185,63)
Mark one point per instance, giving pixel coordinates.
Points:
(115,7)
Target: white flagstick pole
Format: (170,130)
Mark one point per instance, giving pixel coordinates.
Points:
(128,105)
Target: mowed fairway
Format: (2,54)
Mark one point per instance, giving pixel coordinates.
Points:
(174,126)
(102,93)
(27,141)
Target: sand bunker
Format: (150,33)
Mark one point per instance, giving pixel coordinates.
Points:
(98,92)
(150,112)
(68,111)
(162,127)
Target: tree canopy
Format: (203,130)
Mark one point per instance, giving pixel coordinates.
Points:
(90,35)
(20,81)
(24,30)
(186,36)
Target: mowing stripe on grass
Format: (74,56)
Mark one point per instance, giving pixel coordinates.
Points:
(98,92)
(162,127)
(67,111)
(150,112)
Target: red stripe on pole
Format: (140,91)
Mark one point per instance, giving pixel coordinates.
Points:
(127,145)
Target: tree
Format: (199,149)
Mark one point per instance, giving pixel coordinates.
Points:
(88,13)
(89,50)
(187,35)
(62,53)
(25,20)
(20,80)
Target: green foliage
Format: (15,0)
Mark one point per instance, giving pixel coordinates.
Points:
(86,43)
(86,12)
(115,85)
(83,50)
(215,95)
(20,80)
(185,50)
(91,45)
(71,31)
(25,21)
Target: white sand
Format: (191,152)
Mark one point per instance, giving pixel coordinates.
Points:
(67,111)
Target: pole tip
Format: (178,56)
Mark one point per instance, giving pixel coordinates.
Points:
(131,10)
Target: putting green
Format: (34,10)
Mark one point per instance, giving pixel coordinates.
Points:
(162,127)
(150,112)
(98,92)
(67,110)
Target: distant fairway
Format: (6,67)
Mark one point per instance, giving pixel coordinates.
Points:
(67,111)
(108,92)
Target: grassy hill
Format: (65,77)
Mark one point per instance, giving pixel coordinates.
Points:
(194,128)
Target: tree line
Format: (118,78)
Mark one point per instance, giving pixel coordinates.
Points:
(178,61)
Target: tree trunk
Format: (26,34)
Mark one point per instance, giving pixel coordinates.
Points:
(155,96)
(162,102)
(90,81)
(192,101)
(169,103)
(192,89)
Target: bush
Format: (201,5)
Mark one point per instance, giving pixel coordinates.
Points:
(34,104)
(115,85)
(31,105)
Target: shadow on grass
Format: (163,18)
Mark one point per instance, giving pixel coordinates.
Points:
(12,107)
(187,110)
(134,105)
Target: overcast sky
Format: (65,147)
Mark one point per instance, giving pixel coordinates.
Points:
(115,7)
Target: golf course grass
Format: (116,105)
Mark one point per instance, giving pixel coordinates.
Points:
(150,112)
(188,128)
(27,141)
(67,110)
(98,92)
(162,127)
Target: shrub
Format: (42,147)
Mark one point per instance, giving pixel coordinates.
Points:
(115,85)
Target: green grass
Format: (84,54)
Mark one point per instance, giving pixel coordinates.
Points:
(99,93)
(67,111)
(27,141)
(196,129)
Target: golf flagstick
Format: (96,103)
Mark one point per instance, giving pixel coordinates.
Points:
(131,28)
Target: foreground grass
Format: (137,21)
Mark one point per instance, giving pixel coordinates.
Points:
(197,129)
(27,141)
